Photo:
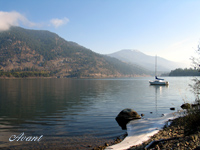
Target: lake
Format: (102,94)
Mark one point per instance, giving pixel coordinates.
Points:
(80,113)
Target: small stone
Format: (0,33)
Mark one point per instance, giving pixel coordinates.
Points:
(172,108)
(164,133)
(106,144)
(157,147)
(165,145)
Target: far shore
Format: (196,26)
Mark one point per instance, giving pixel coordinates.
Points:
(96,77)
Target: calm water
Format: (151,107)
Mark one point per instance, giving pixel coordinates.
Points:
(75,113)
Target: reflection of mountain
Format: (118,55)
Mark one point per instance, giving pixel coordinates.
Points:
(57,108)
(27,99)
(33,99)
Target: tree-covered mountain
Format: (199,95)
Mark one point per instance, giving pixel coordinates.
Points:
(185,72)
(36,50)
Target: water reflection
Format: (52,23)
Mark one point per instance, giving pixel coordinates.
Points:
(47,103)
(158,93)
(30,98)
(58,108)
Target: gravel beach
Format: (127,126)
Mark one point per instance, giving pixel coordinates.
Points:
(182,133)
(176,136)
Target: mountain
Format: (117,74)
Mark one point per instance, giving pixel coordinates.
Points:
(37,50)
(146,61)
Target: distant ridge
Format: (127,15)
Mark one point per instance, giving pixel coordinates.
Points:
(29,50)
(146,61)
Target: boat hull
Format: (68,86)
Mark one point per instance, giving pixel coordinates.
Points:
(159,82)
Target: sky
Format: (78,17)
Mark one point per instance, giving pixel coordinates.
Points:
(169,29)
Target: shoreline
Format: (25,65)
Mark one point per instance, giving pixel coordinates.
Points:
(115,141)
(182,133)
(179,134)
(82,143)
(175,136)
(56,77)
(140,130)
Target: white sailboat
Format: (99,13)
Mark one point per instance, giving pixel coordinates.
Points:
(158,81)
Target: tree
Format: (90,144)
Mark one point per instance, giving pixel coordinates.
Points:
(196,81)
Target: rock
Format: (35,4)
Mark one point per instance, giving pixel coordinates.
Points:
(157,147)
(142,115)
(185,106)
(125,116)
(172,108)
(106,144)
(194,137)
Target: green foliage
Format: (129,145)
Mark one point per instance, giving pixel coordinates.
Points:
(184,72)
(24,74)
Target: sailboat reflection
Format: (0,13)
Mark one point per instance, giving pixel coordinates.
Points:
(158,91)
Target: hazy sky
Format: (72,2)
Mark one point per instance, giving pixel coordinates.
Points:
(167,28)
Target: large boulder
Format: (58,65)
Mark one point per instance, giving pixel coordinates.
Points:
(125,116)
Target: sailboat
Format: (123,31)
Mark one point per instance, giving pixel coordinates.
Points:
(158,81)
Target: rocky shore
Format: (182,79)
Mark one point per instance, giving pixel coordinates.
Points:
(115,141)
(182,133)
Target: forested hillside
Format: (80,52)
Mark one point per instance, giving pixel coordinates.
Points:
(184,72)
(47,54)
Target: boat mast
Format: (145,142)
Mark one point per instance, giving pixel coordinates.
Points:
(156,66)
